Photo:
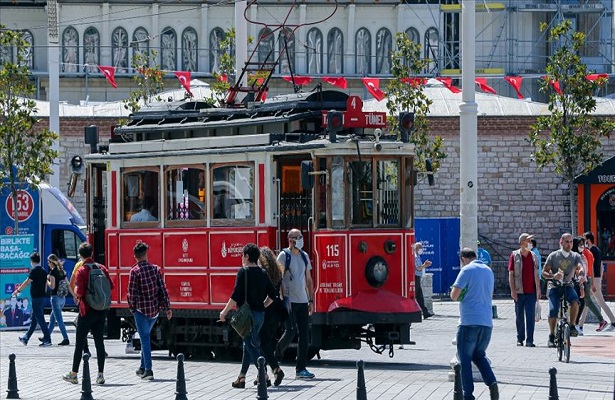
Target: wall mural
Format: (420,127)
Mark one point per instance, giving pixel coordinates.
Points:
(168,49)
(384,44)
(215,52)
(363,52)
(70,50)
(26,53)
(265,46)
(335,51)
(91,49)
(189,50)
(140,43)
(314,51)
(287,61)
(119,50)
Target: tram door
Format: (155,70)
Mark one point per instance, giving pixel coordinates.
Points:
(97,199)
(295,202)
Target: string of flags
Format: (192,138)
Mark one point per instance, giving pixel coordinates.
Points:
(371,84)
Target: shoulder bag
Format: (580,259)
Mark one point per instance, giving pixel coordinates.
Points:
(242,319)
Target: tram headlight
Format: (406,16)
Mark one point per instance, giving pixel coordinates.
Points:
(376,271)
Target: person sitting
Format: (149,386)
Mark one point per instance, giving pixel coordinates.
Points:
(145,214)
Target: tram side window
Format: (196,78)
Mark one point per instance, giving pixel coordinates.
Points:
(233,192)
(338,203)
(388,192)
(185,193)
(362,192)
(140,192)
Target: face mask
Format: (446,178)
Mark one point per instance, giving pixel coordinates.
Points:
(299,243)
(565,253)
(529,246)
(419,251)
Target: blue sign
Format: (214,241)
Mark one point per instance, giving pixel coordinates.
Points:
(28,212)
(15,251)
(440,239)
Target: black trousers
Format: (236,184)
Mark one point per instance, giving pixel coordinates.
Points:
(297,322)
(419,295)
(268,333)
(94,321)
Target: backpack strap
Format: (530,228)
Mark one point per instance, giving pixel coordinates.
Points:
(287,264)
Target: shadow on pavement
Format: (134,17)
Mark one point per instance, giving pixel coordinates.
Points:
(344,364)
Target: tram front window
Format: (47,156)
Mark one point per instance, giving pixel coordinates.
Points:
(140,194)
(388,192)
(232,192)
(362,192)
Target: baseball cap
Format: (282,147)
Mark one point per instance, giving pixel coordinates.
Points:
(525,236)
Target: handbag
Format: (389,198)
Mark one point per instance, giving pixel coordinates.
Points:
(242,320)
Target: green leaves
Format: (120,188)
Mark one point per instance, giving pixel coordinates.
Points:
(149,81)
(402,96)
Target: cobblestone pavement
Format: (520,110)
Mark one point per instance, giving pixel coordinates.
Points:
(416,372)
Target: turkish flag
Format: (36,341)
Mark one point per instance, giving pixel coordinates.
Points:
(222,78)
(299,80)
(554,85)
(184,79)
(414,82)
(448,83)
(109,73)
(340,82)
(373,87)
(593,77)
(515,82)
(482,84)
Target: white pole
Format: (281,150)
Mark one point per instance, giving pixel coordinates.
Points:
(468,211)
(53,55)
(241,40)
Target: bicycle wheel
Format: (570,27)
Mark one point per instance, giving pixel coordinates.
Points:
(566,343)
(560,342)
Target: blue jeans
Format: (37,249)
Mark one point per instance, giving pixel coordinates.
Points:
(251,343)
(472,342)
(555,294)
(38,317)
(57,303)
(525,310)
(144,327)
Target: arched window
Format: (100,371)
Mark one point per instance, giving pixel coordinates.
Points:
(287,57)
(6,54)
(414,35)
(91,49)
(363,52)
(168,49)
(140,44)
(215,51)
(70,50)
(384,45)
(190,46)
(314,51)
(335,51)
(431,49)
(265,45)
(119,49)
(27,52)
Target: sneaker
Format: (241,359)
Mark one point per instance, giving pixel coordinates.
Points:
(148,375)
(611,327)
(140,372)
(23,340)
(601,326)
(88,353)
(551,342)
(41,339)
(70,378)
(520,343)
(45,344)
(580,330)
(100,380)
(574,332)
(304,374)
(64,342)
(401,347)
(529,344)
(494,392)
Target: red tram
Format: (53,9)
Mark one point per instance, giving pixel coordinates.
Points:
(214,179)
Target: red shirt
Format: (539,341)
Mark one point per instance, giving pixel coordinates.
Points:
(527,271)
(81,281)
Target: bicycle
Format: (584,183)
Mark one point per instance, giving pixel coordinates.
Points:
(562,329)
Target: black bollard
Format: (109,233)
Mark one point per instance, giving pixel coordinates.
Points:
(261,393)
(553,384)
(361,390)
(180,385)
(12,391)
(457,391)
(86,382)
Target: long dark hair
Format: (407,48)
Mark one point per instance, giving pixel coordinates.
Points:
(270,264)
(576,242)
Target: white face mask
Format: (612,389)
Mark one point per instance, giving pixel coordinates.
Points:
(565,253)
(529,246)
(299,243)
(419,251)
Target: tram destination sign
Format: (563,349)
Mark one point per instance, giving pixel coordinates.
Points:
(355,117)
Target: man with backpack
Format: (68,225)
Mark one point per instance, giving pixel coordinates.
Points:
(147,296)
(298,287)
(93,296)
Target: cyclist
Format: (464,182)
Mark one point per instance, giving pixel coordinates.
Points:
(566,264)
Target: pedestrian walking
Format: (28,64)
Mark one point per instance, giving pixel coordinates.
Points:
(524,288)
(483,254)
(586,303)
(299,289)
(273,314)
(473,288)
(59,285)
(597,281)
(37,278)
(254,287)
(147,297)
(90,319)
(419,272)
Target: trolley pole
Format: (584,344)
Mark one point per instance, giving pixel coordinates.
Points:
(468,110)
(241,40)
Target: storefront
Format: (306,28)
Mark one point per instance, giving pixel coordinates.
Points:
(596,213)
